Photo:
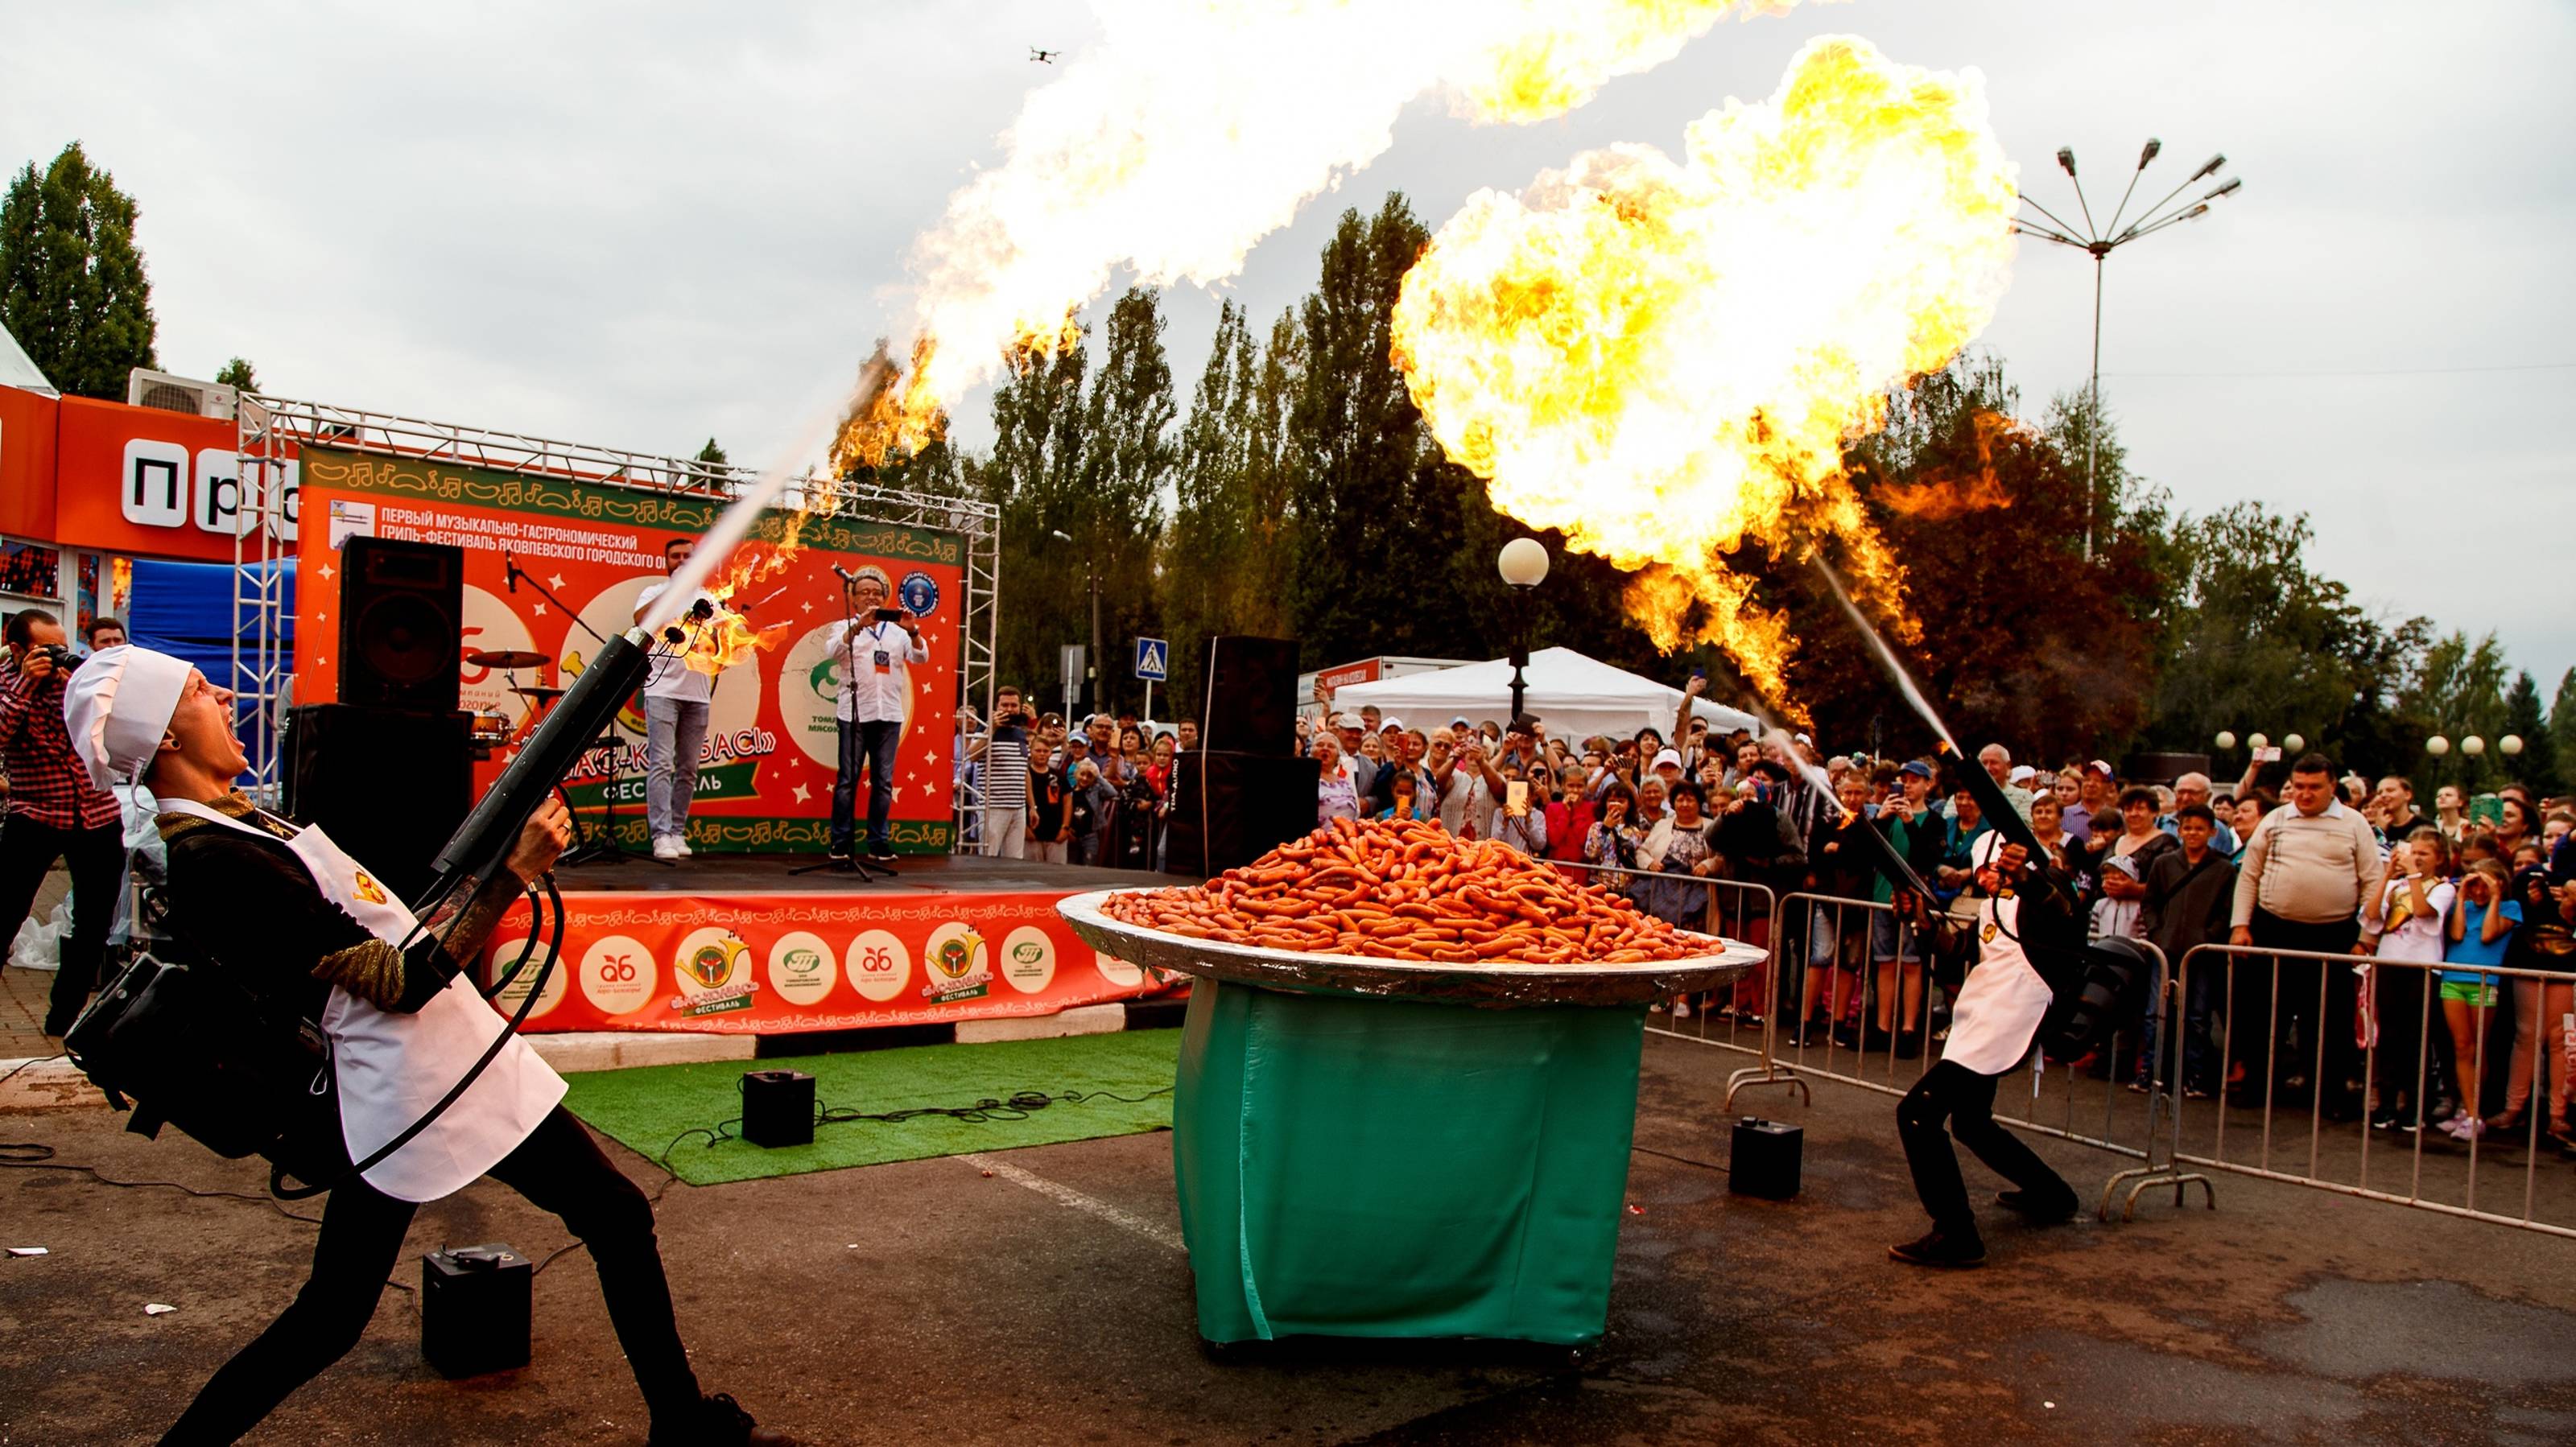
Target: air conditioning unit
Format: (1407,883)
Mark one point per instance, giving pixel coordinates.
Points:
(168,393)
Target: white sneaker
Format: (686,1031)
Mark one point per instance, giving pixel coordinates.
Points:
(668,846)
(680,845)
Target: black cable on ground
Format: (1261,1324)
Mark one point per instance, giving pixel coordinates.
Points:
(1685,1160)
(23,1064)
(1019,1105)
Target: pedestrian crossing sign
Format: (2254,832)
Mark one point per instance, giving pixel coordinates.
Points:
(1153,659)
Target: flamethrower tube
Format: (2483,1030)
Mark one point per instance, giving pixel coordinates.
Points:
(482,842)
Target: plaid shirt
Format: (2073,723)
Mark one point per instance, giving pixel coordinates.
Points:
(47,782)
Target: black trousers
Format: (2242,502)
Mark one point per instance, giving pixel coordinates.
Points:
(2277,1003)
(558,1167)
(97,859)
(1966,1099)
(870,746)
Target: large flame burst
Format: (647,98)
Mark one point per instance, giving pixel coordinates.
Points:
(1663,358)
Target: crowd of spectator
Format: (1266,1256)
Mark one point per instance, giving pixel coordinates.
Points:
(2289,858)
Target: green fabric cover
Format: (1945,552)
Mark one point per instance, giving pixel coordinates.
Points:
(1351,1166)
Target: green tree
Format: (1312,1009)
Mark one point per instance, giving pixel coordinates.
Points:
(2537,764)
(2255,641)
(72,285)
(237,373)
(1125,462)
(2562,721)
(1223,553)
(1030,476)
(2458,692)
(712,454)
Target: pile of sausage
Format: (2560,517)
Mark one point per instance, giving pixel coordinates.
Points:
(1409,890)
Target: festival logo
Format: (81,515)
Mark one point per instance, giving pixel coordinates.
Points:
(878,965)
(955,965)
(617,974)
(918,594)
(511,952)
(801,968)
(1028,959)
(365,887)
(713,972)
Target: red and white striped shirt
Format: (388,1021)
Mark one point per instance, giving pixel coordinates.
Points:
(47,781)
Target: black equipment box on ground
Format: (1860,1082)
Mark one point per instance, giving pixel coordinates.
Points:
(1764,1159)
(778,1107)
(474,1309)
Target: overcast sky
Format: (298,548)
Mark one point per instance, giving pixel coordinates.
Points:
(641,225)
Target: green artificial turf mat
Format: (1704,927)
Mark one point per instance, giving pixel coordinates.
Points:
(646,1107)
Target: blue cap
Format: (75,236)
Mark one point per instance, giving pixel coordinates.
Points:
(1916,767)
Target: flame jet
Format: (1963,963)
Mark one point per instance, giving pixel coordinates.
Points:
(1663,357)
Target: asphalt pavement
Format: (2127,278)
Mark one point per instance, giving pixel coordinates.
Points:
(1041,1297)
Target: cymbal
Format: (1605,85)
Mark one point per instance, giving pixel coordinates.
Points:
(538,690)
(507,658)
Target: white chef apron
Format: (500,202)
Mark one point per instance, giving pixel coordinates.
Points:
(2000,1006)
(391,1067)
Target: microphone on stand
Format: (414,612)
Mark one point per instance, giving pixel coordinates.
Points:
(510,569)
(846,575)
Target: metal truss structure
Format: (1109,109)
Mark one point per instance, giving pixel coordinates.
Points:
(269,433)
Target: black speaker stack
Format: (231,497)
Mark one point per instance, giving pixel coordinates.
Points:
(388,770)
(1244,790)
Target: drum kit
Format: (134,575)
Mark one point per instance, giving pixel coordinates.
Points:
(495,730)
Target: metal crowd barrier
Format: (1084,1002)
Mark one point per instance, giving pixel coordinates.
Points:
(2298,1055)
(1819,1019)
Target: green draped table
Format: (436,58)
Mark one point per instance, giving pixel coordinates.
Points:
(1374,1148)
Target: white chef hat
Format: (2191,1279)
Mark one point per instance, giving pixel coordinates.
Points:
(118,706)
(1981,855)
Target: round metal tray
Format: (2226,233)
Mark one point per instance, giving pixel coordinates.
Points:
(1487,984)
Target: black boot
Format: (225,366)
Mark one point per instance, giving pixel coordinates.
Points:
(1935,1248)
(720,1422)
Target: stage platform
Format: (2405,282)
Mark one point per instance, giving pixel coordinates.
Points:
(741,944)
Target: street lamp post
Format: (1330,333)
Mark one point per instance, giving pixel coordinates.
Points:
(1091,583)
(2099,243)
(1524,566)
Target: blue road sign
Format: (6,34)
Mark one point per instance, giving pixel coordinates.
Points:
(1153,659)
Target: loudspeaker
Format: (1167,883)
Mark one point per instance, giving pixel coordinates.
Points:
(1231,808)
(778,1107)
(390,785)
(1248,704)
(1764,1158)
(402,610)
(475,1309)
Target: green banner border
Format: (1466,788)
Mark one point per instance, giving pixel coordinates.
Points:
(379,475)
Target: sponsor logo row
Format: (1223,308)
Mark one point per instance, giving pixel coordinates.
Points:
(715,971)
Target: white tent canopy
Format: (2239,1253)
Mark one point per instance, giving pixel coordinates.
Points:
(1576,697)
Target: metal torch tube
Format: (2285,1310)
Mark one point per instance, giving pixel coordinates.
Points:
(483,841)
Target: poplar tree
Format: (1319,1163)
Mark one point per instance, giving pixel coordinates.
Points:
(72,284)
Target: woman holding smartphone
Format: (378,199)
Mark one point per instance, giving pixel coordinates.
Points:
(2480,928)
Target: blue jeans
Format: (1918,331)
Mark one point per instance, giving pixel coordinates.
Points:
(870,745)
(675,733)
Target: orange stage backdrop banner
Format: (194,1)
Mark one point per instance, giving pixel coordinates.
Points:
(765,777)
(772,964)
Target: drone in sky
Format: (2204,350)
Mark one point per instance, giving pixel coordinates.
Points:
(1043,57)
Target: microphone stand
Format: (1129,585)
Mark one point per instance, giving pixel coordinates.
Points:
(599,843)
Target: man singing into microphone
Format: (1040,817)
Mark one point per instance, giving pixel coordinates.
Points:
(308,931)
(877,650)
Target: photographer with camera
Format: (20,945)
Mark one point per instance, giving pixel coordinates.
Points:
(288,920)
(54,811)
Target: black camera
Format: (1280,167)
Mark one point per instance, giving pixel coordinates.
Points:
(64,660)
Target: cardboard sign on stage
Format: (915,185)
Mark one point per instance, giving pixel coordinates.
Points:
(765,775)
(779,963)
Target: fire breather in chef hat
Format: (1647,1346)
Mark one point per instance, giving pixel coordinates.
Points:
(1982,853)
(118,706)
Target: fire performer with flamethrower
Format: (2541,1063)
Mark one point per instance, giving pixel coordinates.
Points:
(306,934)
(1992,1025)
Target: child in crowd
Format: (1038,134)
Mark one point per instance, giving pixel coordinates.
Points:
(2481,926)
(2407,917)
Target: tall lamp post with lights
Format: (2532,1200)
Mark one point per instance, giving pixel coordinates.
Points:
(1524,566)
(2099,242)
(1091,584)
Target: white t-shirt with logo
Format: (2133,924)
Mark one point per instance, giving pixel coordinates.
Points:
(671,676)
